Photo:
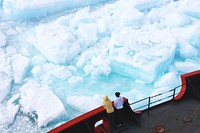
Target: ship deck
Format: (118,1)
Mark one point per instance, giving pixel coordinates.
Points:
(182,116)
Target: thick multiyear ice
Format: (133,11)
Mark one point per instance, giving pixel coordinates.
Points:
(141,55)
(36,9)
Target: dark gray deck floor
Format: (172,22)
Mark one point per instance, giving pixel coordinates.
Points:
(175,117)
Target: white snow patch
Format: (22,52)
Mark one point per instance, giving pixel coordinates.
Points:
(187,66)
(8,111)
(20,65)
(56,43)
(2,39)
(5,76)
(40,98)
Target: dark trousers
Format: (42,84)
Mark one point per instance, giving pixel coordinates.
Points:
(119,116)
(111,119)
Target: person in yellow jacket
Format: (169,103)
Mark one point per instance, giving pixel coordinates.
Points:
(107,104)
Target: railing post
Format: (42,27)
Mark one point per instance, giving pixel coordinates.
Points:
(149,102)
(174,93)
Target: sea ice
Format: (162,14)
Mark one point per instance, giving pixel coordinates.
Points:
(169,79)
(187,5)
(74,80)
(8,111)
(37,60)
(20,65)
(41,100)
(5,76)
(83,103)
(178,19)
(146,5)
(165,85)
(193,37)
(11,32)
(87,33)
(187,66)
(186,50)
(35,9)
(141,54)
(132,17)
(56,43)
(47,71)
(2,39)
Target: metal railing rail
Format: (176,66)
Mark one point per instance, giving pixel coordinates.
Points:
(150,102)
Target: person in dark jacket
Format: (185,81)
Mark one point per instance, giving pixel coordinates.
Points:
(119,107)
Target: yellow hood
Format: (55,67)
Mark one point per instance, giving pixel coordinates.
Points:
(105,98)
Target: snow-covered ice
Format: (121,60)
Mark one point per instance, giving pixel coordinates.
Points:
(58,58)
(8,111)
(19,66)
(42,101)
(55,41)
(141,55)
(5,76)
(35,9)
(2,39)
